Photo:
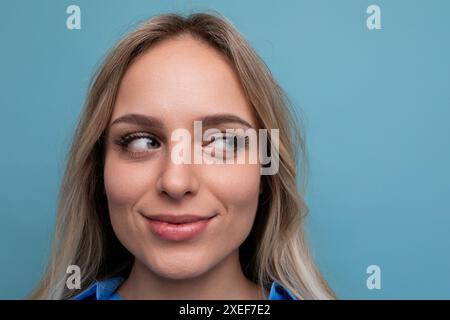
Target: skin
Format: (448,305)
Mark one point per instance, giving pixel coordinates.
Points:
(177,81)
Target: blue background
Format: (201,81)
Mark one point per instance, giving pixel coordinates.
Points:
(377,118)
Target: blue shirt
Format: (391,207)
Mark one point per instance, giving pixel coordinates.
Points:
(107,290)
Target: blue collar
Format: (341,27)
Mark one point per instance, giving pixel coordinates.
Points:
(106,290)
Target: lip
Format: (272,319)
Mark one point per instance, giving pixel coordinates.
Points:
(178,227)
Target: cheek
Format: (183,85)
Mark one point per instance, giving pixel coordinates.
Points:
(121,189)
(124,182)
(237,188)
(124,185)
(239,185)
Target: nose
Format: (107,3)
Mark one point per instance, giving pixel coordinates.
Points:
(177,180)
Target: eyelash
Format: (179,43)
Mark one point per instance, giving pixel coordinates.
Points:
(124,141)
(229,137)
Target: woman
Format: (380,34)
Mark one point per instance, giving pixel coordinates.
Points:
(139,225)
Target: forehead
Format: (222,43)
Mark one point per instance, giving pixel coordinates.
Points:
(179,80)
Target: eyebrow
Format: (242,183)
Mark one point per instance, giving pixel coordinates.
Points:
(140,120)
(207,121)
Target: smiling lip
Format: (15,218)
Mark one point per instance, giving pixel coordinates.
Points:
(178,227)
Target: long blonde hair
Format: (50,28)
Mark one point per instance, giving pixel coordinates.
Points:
(276,249)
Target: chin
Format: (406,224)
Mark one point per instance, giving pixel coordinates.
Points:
(179,268)
(180,272)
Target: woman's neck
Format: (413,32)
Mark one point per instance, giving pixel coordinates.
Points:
(225,281)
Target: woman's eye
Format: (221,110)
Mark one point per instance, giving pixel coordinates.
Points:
(226,143)
(222,142)
(143,144)
(138,143)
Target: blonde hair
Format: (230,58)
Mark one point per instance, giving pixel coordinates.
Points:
(276,249)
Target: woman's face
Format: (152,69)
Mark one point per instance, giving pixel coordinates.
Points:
(174,83)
